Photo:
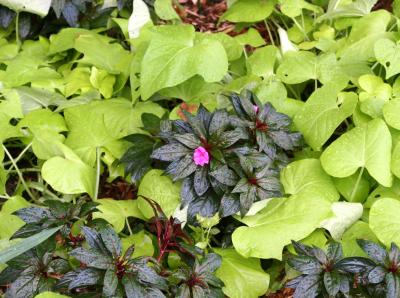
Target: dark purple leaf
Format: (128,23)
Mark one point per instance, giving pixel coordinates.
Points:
(355,265)
(392,285)
(188,139)
(200,182)
(71,14)
(111,241)
(86,277)
(373,250)
(170,152)
(377,275)
(184,168)
(225,175)
(229,205)
(110,283)
(92,258)
(246,199)
(332,282)
(305,264)
(308,287)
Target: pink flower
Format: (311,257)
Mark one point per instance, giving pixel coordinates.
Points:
(255,108)
(200,156)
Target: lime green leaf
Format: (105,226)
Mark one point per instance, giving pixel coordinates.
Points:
(396,160)
(384,192)
(376,94)
(346,214)
(39,7)
(142,243)
(387,53)
(116,212)
(102,124)
(329,109)
(165,192)
(384,220)
(103,81)
(76,177)
(232,47)
(98,52)
(391,112)
(262,61)
(10,223)
(50,295)
(300,66)
(276,94)
(294,8)
(346,187)
(174,56)
(283,220)
(165,11)
(19,248)
(307,178)
(362,147)
(243,278)
(359,230)
(249,11)
(252,38)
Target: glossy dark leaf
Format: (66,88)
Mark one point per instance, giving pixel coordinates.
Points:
(335,251)
(394,254)
(206,206)
(225,175)
(229,205)
(285,140)
(305,264)
(57,6)
(24,25)
(111,241)
(210,263)
(133,289)
(269,183)
(110,283)
(219,122)
(92,258)
(32,214)
(377,275)
(200,182)
(171,152)
(320,255)
(86,277)
(302,249)
(25,286)
(228,138)
(147,275)
(188,139)
(392,285)
(94,240)
(309,286)
(246,199)
(6,16)
(242,186)
(266,144)
(188,194)
(373,250)
(184,168)
(332,282)
(71,14)
(355,265)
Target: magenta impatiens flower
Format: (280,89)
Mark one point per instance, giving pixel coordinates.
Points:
(255,108)
(200,156)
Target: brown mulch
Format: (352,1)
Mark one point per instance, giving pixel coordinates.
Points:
(119,189)
(283,293)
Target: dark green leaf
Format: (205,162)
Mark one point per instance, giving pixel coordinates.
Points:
(24,286)
(184,168)
(228,138)
(151,123)
(225,176)
(32,214)
(335,251)
(209,263)
(94,240)
(219,122)
(229,205)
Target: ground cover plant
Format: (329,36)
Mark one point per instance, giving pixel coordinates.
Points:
(207,148)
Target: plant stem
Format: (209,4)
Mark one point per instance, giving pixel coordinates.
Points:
(129,227)
(19,156)
(353,193)
(269,33)
(96,190)
(21,177)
